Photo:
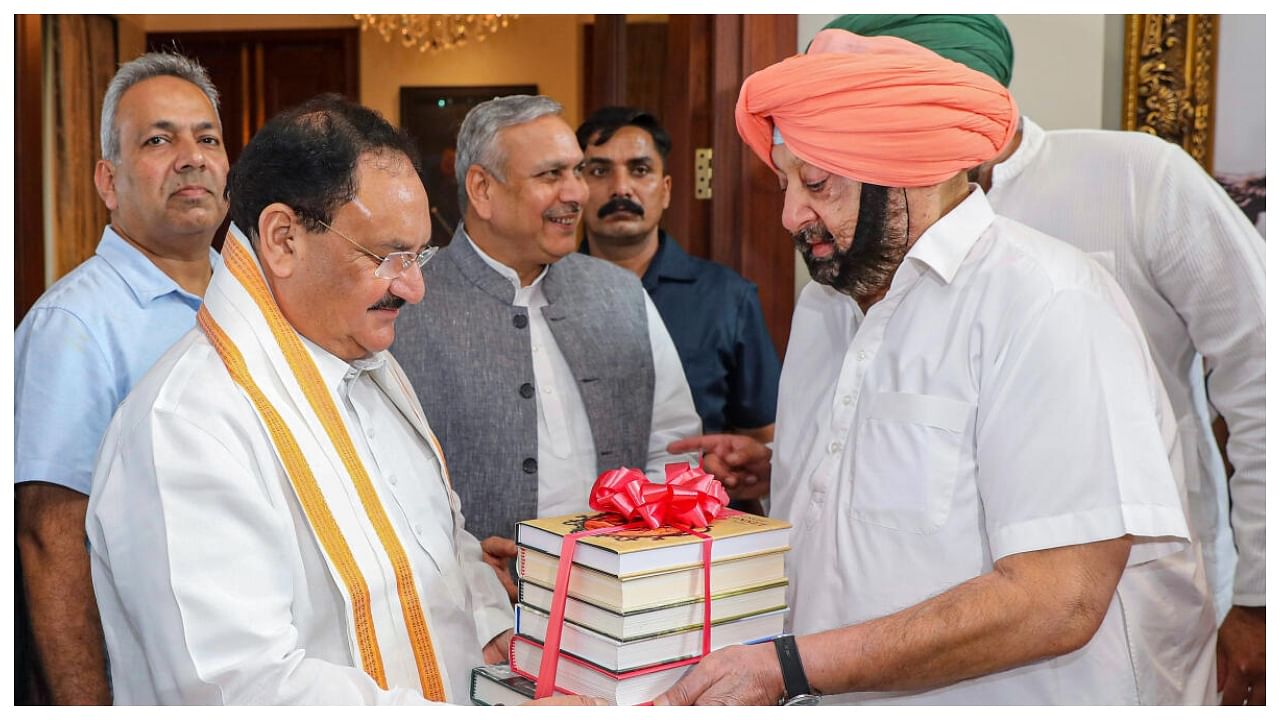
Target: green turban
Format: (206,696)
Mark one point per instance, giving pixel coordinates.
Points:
(978,41)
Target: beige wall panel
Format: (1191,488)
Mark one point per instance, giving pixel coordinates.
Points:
(545,50)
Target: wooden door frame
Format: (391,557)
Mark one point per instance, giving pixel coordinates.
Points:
(28,246)
(686,115)
(741,225)
(608,60)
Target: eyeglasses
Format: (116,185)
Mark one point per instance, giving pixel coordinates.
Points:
(394,264)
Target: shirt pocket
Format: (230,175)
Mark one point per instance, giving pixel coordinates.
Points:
(906,460)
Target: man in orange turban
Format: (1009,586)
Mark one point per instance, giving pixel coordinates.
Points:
(1192,265)
(973,446)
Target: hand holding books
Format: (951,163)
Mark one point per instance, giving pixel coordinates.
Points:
(498,554)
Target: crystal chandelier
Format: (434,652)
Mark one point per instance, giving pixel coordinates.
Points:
(435,32)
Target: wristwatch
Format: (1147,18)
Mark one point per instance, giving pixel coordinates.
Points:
(795,683)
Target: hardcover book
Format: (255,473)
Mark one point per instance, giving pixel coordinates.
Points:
(674,617)
(498,685)
(619,657)
(582,678)
(644,551)
(641,592)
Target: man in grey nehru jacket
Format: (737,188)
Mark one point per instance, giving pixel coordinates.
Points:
(538,367)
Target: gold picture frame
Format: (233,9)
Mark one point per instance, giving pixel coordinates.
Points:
(1170,65)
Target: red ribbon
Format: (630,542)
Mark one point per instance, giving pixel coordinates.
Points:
(690,499)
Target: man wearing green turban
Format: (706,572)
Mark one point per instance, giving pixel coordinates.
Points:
(979,41)
(1193,268)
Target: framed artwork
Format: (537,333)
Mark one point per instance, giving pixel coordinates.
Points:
(1175,89)
(432,116)
(1170,64)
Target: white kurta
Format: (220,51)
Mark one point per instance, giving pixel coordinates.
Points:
(998,400)
(566,447)
(210,583)
(1193,268)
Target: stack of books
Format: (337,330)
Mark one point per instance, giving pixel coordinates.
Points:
(636,602)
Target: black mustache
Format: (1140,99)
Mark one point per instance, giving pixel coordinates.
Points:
(390,302)
(620,204)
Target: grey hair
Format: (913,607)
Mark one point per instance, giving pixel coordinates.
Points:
(477,139)
(145,67)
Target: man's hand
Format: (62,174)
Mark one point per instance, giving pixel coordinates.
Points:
(568,700)
(736,675)
(740,463)
(497,649)
(1242,656)
(498,552)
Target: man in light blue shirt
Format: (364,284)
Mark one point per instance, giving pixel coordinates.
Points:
(98,330)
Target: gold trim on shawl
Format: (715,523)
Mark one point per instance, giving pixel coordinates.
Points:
(309,495)
(245,270)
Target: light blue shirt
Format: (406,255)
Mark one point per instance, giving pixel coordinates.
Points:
(79,351)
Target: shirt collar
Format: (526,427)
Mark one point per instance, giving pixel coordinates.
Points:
(503,270)
(1032,141)
(945,244)
(669,262)
(335,371)
(146,281)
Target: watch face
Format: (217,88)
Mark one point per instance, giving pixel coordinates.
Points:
(803,699)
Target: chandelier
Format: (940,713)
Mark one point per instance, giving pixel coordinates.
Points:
(435,32)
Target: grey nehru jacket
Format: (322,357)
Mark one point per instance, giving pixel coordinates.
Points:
(466,349)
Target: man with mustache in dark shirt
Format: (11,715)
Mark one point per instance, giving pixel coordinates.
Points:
(712,312)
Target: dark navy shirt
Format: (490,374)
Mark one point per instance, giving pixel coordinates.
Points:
(714,317)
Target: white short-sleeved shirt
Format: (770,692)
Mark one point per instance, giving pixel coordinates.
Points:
(998,400)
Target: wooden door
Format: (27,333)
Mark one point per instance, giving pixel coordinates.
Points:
(740,225)
(260,73)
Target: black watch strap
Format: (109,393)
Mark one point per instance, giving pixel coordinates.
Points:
(794,681)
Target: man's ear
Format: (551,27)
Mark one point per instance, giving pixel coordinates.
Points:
(104,178)
(666,191)
(278,244)
(480,191)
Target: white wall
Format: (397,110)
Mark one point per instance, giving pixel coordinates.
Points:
(1058,68)
(1240,125)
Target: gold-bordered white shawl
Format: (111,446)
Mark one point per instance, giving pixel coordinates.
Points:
(266,358)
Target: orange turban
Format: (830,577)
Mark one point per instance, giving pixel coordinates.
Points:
(878,113)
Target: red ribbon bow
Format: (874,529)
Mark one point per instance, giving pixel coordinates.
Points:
(690,498)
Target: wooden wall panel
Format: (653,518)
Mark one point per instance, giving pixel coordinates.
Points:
(28,245)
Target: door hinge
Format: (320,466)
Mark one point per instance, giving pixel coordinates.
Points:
(702,173)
